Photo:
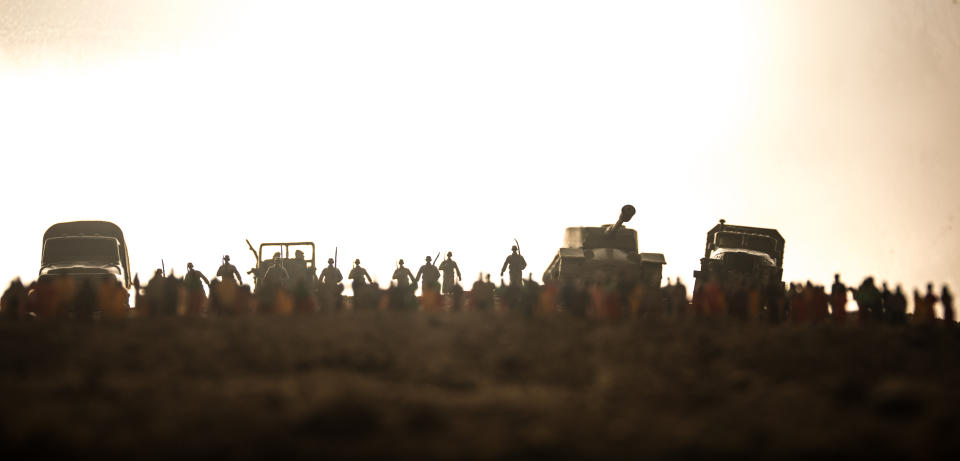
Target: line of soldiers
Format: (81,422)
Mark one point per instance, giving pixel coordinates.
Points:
(429,274)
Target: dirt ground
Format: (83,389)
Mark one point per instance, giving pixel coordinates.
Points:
(476,386)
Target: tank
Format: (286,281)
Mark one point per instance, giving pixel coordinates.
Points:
(598,253)
(741,255)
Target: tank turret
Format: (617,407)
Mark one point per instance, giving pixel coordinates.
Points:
(593,253)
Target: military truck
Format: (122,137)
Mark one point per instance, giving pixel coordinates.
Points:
(598,253)
(287,253)
(85,250)
(736,255)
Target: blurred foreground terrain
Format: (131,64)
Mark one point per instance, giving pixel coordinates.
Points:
(475,385)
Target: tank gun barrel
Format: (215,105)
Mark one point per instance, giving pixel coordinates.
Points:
(626,213)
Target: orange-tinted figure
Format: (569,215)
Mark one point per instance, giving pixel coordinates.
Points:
(819,303)
(113,299)
(548,299)
(754,304)
(44,299)
(715,301)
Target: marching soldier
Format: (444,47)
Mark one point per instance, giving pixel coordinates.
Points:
(359,276)
(330,274)
(330,286)
(450,270)
(403,276)
(517,264)
(193,278)
(228,271)
(196,298)
(430,274)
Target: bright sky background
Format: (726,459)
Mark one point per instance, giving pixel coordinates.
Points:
(398,129)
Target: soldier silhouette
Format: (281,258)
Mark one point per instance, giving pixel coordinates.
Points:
(359,276)
(403,276)
(276,273)
(930,300)
(430,274)
(451,274)
(330,274)
(947,300)
(193,278)
(196,298)
(898,309)
(228,271)
(517,264)
(298,267)
(838,299)
(330,287)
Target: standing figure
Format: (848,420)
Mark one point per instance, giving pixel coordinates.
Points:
(196,298)
(451,274)
(930,300)
(947,300)
(403,276)
(193,278)
(330,275)
(330,287)
(481,295)
(299,271)
(838,299)
(228,271)
(359,276)
(517,264)
(276,274)
(430,274)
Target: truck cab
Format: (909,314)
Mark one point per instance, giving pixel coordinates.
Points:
(736,255)
(85,249)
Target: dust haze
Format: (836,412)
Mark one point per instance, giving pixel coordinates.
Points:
(397,131)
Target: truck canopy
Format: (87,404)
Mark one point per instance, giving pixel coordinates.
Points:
(90,229)
(768,241)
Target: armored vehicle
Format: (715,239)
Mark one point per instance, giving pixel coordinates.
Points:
(296,267)
(598,253)
(85,250)
(736,255)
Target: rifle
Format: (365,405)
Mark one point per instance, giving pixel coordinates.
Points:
(436,258)
(255,255)
(163,268)
(335,249)
(518,245)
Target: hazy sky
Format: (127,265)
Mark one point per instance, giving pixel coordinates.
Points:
(400,129)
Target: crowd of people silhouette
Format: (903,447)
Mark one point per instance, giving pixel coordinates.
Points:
(295,289)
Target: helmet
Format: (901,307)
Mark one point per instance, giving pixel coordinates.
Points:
(428,259)
(357,261)
(329,260)
(513,248)
(449,254)
(226,257)
(401,262)
(189,265)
